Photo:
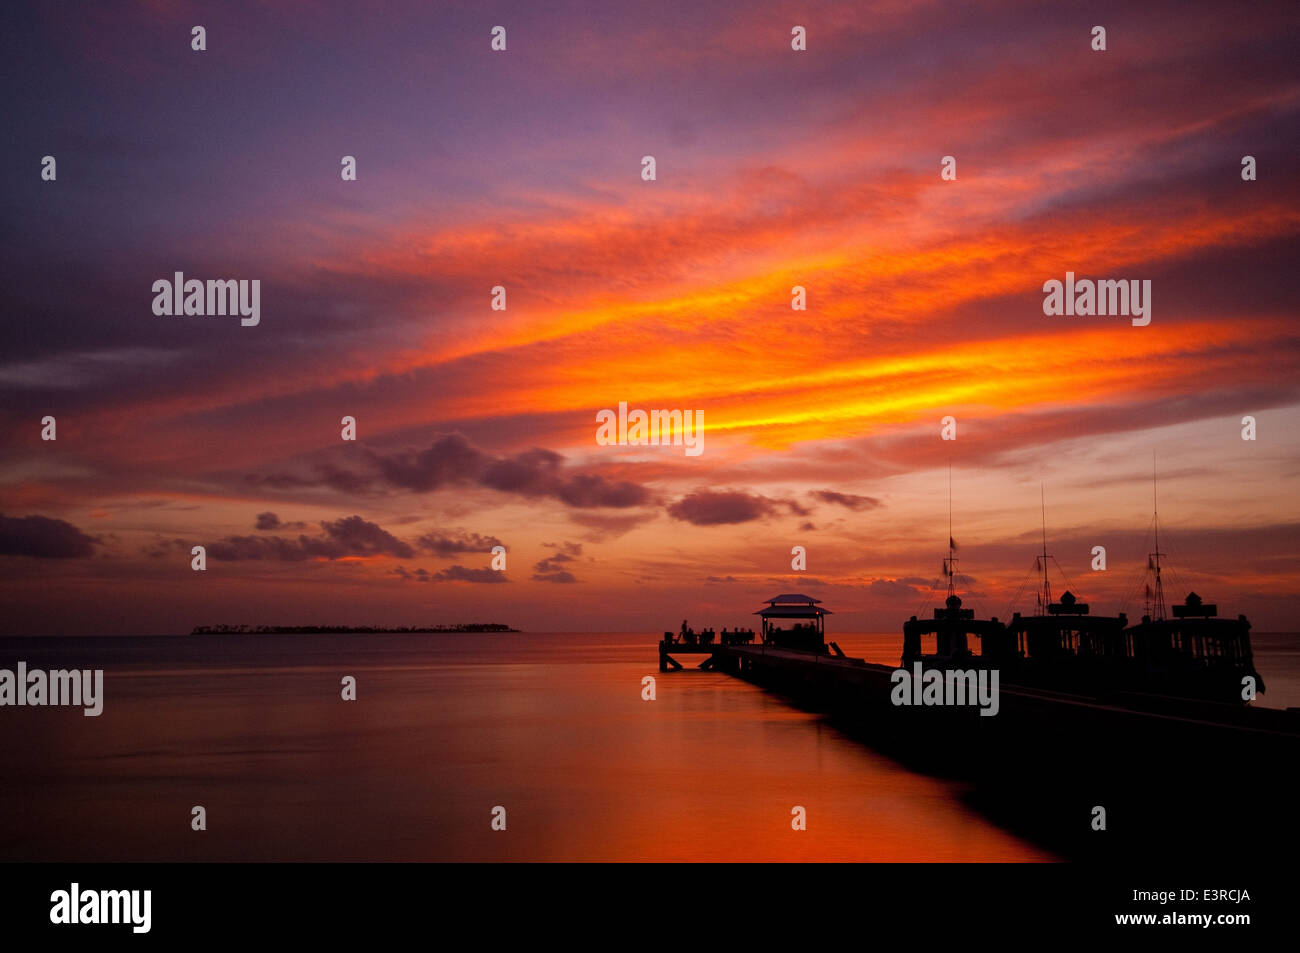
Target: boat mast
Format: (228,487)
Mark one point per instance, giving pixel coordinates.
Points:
(948,563)
(1157,611)
(1045,594)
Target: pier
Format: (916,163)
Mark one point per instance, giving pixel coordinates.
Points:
(1177,777)
(689,642)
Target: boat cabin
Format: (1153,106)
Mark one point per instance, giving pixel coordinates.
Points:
(1067,630)
(952,627)
(1194,634)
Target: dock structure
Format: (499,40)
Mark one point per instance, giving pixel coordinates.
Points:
(793,620)
(789,621)
(1049,757)
(668,648)
(690,642)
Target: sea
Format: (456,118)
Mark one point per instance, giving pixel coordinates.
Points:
(465,747)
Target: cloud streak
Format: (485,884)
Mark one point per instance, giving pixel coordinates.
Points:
(351,536)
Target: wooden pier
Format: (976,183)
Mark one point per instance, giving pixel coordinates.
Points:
(672,645)
(1160,766)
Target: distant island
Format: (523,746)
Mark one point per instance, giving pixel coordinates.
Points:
(345,629)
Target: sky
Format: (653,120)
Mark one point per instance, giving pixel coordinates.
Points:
(522,168)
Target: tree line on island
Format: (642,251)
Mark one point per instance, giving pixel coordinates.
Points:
(346,629)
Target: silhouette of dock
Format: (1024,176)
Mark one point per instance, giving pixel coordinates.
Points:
(1181,777)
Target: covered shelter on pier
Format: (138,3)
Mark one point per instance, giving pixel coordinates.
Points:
(795,621)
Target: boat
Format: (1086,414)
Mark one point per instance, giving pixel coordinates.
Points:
(1190,653)
(952,626)
(1063,647)
(1063,641)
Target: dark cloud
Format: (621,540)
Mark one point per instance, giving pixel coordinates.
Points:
(362,538)
(850,500)
(268,548)
(416,575)
(269,521)
(716,507)
(43,538)
(462,574)
(896,588)
(572,549)
(326,474)
(452,460)
(551,569)
(589,490)
(441,544)
(344,481)
(162,547)
(605,527)
(405,520)
(539,473)
(351,536)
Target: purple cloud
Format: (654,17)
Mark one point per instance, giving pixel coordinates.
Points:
(43,538)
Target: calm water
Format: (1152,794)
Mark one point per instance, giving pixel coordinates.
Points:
(552,727)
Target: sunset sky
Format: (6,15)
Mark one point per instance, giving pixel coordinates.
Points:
(522,168)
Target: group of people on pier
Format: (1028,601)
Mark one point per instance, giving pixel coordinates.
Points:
(736,636)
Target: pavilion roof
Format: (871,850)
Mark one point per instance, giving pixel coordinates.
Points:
(793,612)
